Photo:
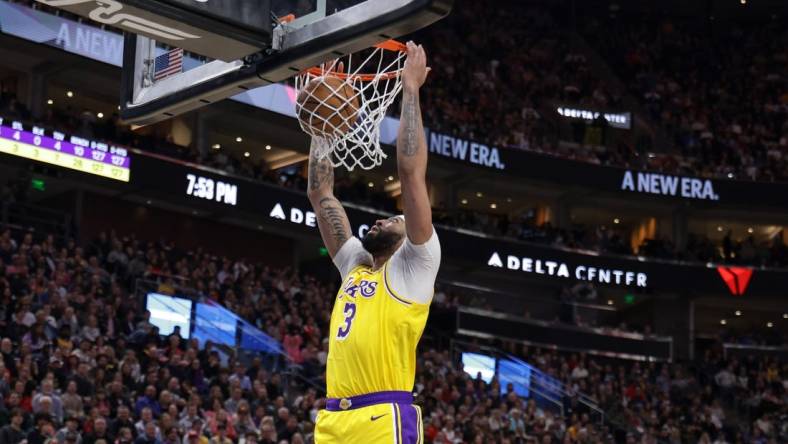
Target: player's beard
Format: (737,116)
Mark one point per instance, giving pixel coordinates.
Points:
(380,242)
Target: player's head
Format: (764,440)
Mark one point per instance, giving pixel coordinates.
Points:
(385,236)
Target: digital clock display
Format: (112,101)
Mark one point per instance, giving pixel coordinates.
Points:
(210,189)
(55,148)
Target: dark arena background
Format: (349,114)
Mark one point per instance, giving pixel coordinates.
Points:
(609,182)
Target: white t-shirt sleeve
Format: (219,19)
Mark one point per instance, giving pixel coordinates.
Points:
(350,255)
(412,269)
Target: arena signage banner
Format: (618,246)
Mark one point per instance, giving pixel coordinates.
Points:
(615,120)
(289,211)
(562,270)
(667,185)
(216,30)
(465,150)
(302,216)
(532,165)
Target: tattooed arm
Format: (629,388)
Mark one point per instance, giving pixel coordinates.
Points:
(412,150)
(331,217)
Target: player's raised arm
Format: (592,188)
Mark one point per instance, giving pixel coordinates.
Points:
(331,217)
(412,149)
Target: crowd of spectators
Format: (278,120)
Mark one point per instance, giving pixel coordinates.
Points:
(646,402)
(82,363)
(513,66)
(516,62)
(606,239)
(718,88)
(746,251)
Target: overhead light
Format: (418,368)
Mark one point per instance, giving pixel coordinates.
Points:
(239,139)
(508,199)
(479,194)
(719,228)
(391,178)
(464,201)
(50,102)
(785,315)
(246,154)
(731,176)
(100,115)
(651,155)
(750,230)
(259,227)
(69,94)
(118,107)
(743,2)
(609,302)
(738,312)
(493,206)
(371,184)
(216,146)
(616,220)
(769,324)
(268,147)
(148,202)
(194,213)
(723,321)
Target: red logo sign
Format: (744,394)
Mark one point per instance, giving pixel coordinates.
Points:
(736,278)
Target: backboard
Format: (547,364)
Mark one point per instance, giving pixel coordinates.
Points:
(232,46)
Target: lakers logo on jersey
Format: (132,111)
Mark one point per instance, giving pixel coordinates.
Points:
(357,285)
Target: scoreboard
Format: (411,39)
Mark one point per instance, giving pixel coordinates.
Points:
(72,152)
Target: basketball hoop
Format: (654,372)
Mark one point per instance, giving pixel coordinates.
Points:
(352,138)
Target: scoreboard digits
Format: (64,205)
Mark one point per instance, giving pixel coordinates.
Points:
(76,153)
(209,189)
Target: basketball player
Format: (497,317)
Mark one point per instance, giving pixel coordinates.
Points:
(387,286)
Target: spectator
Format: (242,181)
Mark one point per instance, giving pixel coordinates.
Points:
(70,432)
(72,402)
(221,436)
(239,375)
(149,434)
(12,433)
(148,401)
(43,433)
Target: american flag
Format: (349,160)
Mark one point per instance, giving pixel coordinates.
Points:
(167,64)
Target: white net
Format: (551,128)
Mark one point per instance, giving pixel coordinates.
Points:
(343,110)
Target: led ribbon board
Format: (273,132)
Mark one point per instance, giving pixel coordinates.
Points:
(55,148)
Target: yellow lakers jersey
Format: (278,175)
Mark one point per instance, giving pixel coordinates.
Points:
(373,337)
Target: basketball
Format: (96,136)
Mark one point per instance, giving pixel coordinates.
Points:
(328,105)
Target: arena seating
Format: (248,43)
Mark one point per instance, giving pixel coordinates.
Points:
(690,87)
(690,81)
(81,360)
(594,238)
(537,62)
(82,363)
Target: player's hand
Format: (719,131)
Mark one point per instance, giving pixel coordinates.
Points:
(333,66)
(415,71)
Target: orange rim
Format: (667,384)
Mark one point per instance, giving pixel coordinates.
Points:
(287,18)
(388,45)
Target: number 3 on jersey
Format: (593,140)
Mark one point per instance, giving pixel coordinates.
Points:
(350,313)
